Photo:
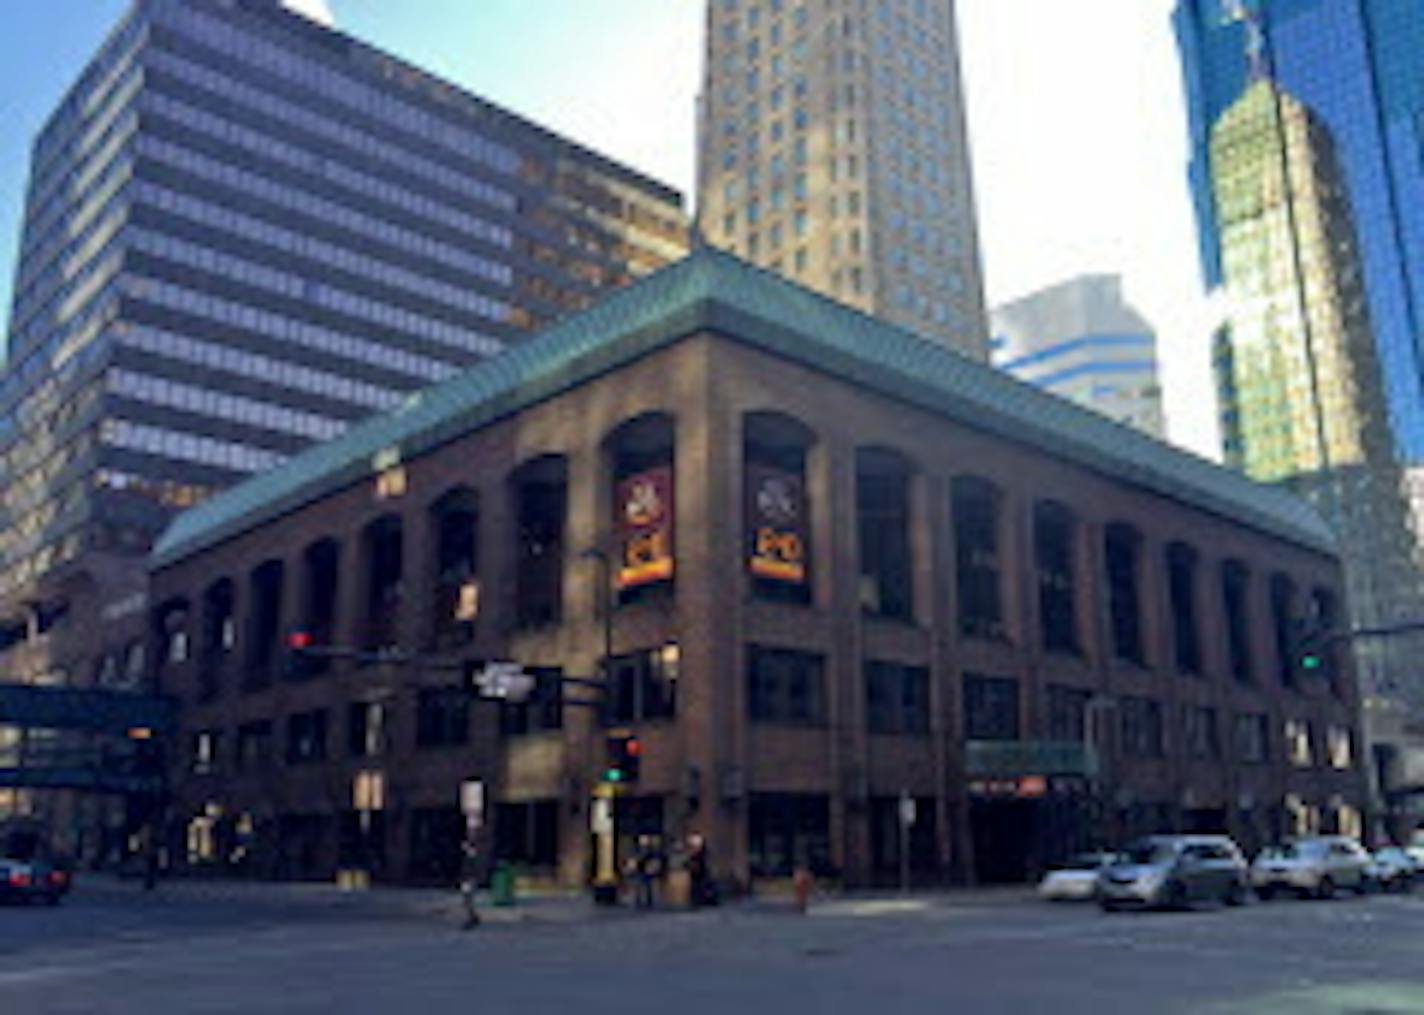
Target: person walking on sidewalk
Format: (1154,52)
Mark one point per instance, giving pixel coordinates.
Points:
(648,868)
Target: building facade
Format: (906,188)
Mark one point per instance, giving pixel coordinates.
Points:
(1080,340)
(1298,132)
(821,563)
(243,232)
(833,150)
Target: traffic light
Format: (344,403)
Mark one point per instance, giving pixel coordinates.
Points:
(300,661)
(1310,644)
(625,753)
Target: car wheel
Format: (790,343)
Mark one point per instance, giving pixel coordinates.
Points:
(1173,896)
(1326,888)
(1235,894)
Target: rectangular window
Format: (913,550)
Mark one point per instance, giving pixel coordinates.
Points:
(527,832)
(367,732)
(442,717)
(254,746)
(785,830)
(882,485)
(1068,713)
(897,698)
(1141,727)
(784,686)
(306,737)
(643,685)
(206,752)
(1253,738)
(1340,746)
(991,708)
(1199,733)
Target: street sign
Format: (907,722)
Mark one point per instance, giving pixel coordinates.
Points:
(600,818)
(504,680)
(907,810)
(472,802)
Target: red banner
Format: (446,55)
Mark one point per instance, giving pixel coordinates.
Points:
(776,524)
(645,530)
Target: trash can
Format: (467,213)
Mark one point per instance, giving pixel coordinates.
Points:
(502,884)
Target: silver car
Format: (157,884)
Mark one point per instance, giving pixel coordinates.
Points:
(1171,871)
(1316,866)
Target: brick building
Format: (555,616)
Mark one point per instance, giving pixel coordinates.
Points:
(845,563)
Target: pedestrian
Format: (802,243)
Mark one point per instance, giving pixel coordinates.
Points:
(469,881)
(648,868)
(699,872)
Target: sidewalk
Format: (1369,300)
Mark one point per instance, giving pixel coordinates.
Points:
(547,907)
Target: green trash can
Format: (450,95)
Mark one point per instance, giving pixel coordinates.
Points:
(502,884)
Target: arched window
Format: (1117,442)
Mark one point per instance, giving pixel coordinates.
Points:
(455,602)
(1053,530)
(975,504)
(322,563)
(540,492)
(1182,598)
(882,500)
(383,546)
(219,636)
(1122,550)
(641,464)
(1283,627)
(1236,608)
(777,509)
(264,623)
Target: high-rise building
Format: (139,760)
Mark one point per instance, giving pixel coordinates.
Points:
(243,232)
(1317,363)
(1080,340)
(833,150)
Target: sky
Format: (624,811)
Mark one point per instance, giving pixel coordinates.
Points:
(1076,117)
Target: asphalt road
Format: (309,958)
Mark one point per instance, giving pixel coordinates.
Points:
(119,952)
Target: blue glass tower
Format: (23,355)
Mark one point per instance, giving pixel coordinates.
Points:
(1355,64)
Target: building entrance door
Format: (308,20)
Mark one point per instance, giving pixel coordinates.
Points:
(1005,833)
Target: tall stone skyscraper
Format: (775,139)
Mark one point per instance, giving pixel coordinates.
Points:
(1300,375)
(833,150)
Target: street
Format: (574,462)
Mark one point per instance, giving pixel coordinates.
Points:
(116,950)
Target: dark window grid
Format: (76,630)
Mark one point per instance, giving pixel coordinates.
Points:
(306,737)
(1124,600)
(886,571)
(442,717)
(539,578)
(1181,592)
(1141,728)
(991,708)
(897,698)
(1200,736)
(785,686)
(1236,609)
(1068,713)
(976,551)
(644,686)
(1253,738)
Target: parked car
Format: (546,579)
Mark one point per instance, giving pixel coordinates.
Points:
(1170,871)
(1317,866)
(1075,878)
(1391,869)
(29,869)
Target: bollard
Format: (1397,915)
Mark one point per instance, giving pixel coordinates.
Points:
(801,883)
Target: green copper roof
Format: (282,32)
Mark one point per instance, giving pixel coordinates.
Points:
(712,291)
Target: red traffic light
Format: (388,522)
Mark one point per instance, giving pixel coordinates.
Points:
(632,747)
(300,640)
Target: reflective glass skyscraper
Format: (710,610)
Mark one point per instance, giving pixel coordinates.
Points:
(1356,65)
(244,231)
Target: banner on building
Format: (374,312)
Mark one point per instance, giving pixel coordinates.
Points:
(645,527)
(776,523)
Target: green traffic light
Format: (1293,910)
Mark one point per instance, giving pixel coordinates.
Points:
(1311,662)
(613,775)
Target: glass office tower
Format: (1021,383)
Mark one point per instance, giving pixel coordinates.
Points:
(244,231)
(1305,124)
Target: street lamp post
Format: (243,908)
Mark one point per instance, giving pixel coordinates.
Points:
(605,880)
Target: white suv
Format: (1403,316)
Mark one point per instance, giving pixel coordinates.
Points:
(1316,866)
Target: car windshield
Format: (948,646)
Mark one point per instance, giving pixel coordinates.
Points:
(1292,851)
(1084,862)
(1148,851)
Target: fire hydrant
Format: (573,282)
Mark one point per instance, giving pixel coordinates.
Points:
(801,883)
